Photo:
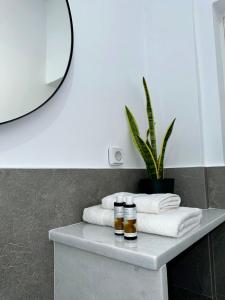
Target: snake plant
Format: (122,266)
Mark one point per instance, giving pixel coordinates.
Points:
(148,147)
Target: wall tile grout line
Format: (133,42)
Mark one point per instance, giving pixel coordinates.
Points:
(34,201)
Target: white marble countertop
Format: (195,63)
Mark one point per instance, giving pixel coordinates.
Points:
(149,251)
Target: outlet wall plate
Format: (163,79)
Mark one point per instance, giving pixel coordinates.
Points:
(115,156)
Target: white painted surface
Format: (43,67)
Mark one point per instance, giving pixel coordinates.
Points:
(116,43)
(87,115)
(173,75)
(209,64)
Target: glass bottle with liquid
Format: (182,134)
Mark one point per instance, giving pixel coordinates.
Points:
(119,216)
(130,219)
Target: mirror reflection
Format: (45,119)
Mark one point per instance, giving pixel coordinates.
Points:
(35,52)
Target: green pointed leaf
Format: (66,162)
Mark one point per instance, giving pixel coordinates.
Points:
(142,147)
(163,149)
(133,126)
(148,157)
(147,136)
(151,122)
(148,143)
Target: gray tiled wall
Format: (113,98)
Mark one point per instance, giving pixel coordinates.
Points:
(204,263)
(216,195)
(191,271)
(31,203)
(34,201)
(196,281)
(216,186)
(190,185)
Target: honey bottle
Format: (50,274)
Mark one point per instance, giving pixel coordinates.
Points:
(130,219)
(119,216)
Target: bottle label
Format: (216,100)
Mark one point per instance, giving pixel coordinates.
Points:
(130,234)
(130,226)
(119,231)
(130,213)
(118,212)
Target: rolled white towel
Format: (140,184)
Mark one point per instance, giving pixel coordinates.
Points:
(154,203)
(173,223)
(98,216)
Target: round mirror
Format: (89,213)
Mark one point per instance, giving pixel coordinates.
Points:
(36,45)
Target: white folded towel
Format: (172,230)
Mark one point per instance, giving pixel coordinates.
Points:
(173,223)
(154,203)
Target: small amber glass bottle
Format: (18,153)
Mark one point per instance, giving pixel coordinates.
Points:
(119,216)
(130,219)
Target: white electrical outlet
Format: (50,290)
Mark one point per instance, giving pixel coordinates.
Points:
(115,156)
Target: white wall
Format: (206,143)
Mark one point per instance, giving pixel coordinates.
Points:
(209,64)
(186,69)
(87,115)
(116,43)
(172,71)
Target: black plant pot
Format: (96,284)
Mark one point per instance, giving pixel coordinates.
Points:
(153,186)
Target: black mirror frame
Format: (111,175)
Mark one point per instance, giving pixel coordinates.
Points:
(66,72)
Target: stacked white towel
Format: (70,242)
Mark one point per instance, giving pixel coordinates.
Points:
(172,223)
(154,203)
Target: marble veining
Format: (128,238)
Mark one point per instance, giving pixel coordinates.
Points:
(81,275)
(150,251)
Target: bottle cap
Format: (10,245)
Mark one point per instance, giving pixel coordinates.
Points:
(119,199)
(129,200)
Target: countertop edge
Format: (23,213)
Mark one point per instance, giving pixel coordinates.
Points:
(149,262)
(165,258)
